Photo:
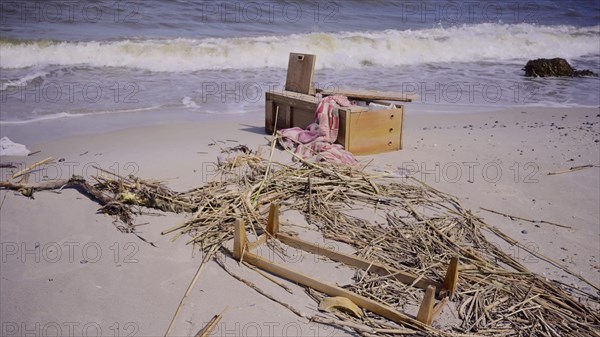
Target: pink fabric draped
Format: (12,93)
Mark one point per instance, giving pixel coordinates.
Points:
(319,137)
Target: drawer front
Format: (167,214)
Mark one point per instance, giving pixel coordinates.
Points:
(372,132)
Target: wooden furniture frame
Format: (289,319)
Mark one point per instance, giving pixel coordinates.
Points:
(427,310)
(362,132)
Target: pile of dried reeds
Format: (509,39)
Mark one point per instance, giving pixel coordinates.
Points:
(422,229)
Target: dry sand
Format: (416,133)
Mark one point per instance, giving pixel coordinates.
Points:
(66,269)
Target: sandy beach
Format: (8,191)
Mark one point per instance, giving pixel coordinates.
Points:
(134,160)
(66,268)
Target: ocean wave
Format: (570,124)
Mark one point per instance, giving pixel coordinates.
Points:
(61,115)
(189,103)
(487,42)
(23,80)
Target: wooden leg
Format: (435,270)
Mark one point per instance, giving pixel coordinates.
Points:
(239,239)
(332,290)
(425,314)
(451,279)
(272,227)
(273,224)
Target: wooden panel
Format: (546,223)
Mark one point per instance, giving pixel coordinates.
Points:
(343,136)
(285,115)
(358,262)
(368,95)
(269,116)
(344,125)
(355,108)
(295,109)
(300,73)
(302,117)
(375,131)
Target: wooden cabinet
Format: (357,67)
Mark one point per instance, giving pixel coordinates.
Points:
(361,132)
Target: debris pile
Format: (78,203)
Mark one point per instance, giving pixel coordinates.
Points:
(422,229)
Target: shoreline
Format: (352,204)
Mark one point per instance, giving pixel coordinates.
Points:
(522,144)
(30,133)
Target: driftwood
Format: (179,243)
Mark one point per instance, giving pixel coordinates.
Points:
(76,182)
(117,197)
(24,188)
(32,167)
(573,169)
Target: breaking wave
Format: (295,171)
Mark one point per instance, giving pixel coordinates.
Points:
(472,43)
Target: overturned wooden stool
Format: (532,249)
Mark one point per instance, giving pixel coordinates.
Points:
(427,311)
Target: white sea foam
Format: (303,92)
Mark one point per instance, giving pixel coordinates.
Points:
(470,43)
(189,103)
(23,80)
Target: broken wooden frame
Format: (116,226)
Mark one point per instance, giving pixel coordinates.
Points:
(427,311)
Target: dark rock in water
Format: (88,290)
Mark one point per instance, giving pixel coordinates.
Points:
(548,67)
(586,72)
(553,68)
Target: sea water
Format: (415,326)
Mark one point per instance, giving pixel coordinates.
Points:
(160,61)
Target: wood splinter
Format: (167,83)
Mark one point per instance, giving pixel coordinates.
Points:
(210,326)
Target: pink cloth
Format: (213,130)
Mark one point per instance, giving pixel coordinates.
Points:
(319,137)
